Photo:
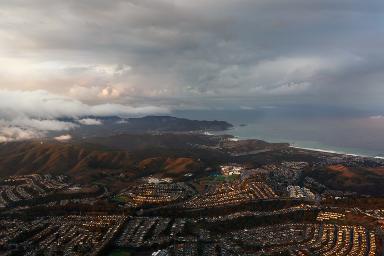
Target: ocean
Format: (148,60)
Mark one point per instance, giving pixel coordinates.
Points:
(358,133)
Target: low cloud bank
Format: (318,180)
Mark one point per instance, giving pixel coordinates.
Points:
(63,137)
(90,121)
(31,114)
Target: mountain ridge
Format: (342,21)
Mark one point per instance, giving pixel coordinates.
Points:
(148,124)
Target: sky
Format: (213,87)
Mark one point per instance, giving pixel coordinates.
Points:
(136,57)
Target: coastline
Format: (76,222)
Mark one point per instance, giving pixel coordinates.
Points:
(330,151)
(249,133)
(351,135)
(336,152)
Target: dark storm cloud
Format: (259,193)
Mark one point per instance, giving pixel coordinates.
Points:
(198,53)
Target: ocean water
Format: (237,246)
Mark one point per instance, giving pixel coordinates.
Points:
(339,131)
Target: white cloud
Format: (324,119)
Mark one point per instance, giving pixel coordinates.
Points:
(41,104)
(378,117)
(42,125)
(63,137)
(30,114)
(90,121)
(122,121)
(16,133)
(246,108)
(109,92)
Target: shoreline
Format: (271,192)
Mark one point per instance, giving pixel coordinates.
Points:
(330,151)
(336,152)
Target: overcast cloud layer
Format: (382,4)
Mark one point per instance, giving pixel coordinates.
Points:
(100,57)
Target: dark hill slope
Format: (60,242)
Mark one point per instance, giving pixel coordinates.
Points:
(357,179)
(125,155)
(133,142)
(86,161)
(57,158)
